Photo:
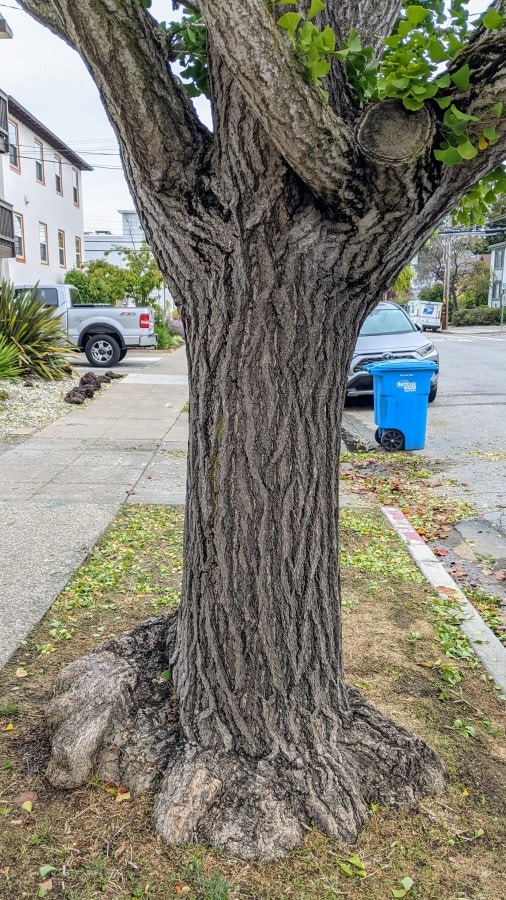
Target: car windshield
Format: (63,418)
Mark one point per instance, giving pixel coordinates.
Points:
(386,321)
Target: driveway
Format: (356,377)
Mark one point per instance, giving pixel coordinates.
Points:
(60,488)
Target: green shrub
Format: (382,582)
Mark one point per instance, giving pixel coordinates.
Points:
(36,333)
(166,340)
(9,367)
(432,294)
(479,315)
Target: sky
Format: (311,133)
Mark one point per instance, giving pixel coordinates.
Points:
(49,78)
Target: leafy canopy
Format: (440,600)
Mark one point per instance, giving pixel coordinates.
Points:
(416,66)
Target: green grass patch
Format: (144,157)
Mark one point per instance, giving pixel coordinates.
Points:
(399,650)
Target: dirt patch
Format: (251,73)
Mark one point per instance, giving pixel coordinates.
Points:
(98,845)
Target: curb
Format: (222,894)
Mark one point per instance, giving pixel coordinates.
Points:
(357,437)
(485,644)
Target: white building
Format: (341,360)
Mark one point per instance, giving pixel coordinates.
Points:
(98,243)
(6,217)
(42,181)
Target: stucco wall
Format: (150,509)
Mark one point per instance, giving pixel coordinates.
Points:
(41,203)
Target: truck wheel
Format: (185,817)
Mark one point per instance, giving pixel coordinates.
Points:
(123,353)
(433,394)
(102,350)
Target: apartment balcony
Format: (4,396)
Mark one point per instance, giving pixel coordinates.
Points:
(4,123)
(7,246)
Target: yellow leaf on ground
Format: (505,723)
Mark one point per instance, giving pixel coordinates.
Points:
(9,727)
(125,796)
(21,673)
(27,806)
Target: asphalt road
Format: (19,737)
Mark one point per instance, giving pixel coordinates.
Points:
(466,430)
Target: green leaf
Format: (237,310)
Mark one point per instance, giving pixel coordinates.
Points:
(354,42)
(316,7)
(466,150)
(437,51)
(319,69)
(412,103)
(166,675)
(46,870)
(462,116)
(328,40)
(444,81)
(416,14)
(449,156)
(289,22)
(493,20)
(497,109)
(460,78)
(443,102)
(407,883)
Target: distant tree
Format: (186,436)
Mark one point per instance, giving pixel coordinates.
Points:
(99,281)
(142,275)
(432,293)
(473,288)
(402,285)
(464,256)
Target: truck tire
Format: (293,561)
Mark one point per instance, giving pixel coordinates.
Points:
(433,394)
(123,353)
(102,351)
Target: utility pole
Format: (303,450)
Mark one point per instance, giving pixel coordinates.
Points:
(447,278)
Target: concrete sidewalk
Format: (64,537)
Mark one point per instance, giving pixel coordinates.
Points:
(60,488)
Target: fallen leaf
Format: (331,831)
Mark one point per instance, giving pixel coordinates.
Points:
(29,796)
(120,797)
(440,551)
(21,673)
(45,870)
(465,793)
(182,888)
(46,886)
(5,870)
(459,573)
(500,575)
(27,806)
(123,789)
(9,727)
(119,852)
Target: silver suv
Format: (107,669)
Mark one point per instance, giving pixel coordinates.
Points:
(388,333)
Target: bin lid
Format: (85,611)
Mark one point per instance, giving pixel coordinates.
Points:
(384,366)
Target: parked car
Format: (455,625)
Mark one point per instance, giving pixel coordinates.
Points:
(388,333)
(105,333)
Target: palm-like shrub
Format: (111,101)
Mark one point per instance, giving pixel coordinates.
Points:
(9,367)
(35,332)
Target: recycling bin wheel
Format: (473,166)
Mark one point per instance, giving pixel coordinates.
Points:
(392,439)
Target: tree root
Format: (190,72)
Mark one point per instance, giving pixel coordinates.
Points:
(114,716)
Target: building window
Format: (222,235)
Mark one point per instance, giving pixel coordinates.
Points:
(39,161)
(14,146)
(79,255)
(75,186)
(499,259)
(58,178)
(19,237)
(61,248)
(44,255)
(497,289)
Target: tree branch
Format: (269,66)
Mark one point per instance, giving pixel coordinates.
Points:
(486,56)
(315,142)
(125,52)
(373,19)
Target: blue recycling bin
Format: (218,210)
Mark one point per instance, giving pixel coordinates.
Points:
(401,397)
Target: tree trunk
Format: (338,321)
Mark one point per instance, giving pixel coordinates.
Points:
(272,739)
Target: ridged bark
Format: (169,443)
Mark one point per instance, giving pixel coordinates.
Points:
(276,235)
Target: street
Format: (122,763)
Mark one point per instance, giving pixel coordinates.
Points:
(466,433)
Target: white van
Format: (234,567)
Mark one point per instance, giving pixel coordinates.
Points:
(425,314)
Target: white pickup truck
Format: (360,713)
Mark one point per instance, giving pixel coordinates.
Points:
(105,333)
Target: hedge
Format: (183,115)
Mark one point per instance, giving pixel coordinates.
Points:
(478,315)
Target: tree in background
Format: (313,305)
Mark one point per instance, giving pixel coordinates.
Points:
(142,275)
(473,287)
(402,285)
(465,252)
(432,293)
(343,133)
(99,281)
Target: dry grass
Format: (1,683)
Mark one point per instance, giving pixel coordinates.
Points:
(452,847)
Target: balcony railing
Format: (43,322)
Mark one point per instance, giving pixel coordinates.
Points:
(4,123)
(7,245)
